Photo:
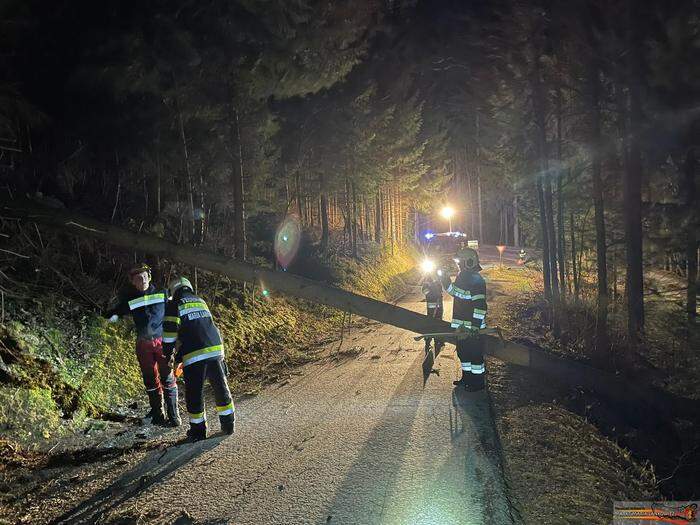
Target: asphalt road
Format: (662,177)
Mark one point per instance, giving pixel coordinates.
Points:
(353,439)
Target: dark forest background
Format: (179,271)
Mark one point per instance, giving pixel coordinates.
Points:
(572,127)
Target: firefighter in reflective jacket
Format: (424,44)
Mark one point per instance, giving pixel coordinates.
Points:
(190,337)
(469,314)
(146,305)
(432,289)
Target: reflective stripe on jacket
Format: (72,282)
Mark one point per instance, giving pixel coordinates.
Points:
(189,321)
(469,308)
(146,308)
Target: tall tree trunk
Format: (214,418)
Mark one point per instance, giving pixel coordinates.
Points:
(574,273)
(516,224)
(354,220)
(601,334)
(691,232)
(365,207)
(238,198)
(481,216)
(297,188)
(544,192)
(391,219)
(560,198)
(325,234)
(546,268)
(478,178)
(378,217)
(188,173)
(551,233)
(158,177)
(632,193)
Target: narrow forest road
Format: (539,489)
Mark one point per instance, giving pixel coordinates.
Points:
(354,439)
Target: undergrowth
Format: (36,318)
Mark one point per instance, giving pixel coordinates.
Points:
(60,362)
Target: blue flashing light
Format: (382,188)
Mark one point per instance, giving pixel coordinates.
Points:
(429,235)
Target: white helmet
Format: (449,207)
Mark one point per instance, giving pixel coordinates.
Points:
(179,283)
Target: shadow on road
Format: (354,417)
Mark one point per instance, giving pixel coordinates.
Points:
(154,468)
(376,467)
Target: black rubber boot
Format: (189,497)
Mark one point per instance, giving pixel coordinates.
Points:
(228,424)
(464,381)
(476,383)
(171,407)
(197,432)
(155,399)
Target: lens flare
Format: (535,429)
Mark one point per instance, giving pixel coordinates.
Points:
(287,241)
(427,266)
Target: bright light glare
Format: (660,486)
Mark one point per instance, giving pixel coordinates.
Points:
(447,212)
(427,266)
(429,235)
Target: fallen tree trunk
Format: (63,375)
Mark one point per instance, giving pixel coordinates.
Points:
(647,399)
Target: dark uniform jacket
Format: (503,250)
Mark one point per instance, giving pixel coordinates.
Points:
(189,322)
(432,288)
(469,308)
(146,308)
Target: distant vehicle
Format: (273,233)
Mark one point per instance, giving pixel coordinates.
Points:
(441,249)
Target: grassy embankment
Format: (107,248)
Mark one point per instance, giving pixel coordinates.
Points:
(60,362)
(568,454)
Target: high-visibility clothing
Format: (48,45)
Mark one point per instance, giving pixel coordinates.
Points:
(146,308)
(469,307)
(188,320)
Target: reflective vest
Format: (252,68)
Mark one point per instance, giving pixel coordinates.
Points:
(146,308)
(469,307)
(188,320)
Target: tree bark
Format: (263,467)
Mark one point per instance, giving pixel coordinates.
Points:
(691,232)
(516,224)
(632,194)
(601,334)
(238,198)
(378,217)
(546,268)
(574,274)
(325,229)
(561,256)
(354,220)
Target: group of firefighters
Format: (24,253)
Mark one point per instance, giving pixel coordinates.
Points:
(174,328)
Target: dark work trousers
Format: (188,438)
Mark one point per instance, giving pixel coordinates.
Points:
(155,369)
(213,369)
(471,351)
(435,313)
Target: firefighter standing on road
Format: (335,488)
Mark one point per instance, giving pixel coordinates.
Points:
(146,304)
(469,314)
(432,289)
(190,337)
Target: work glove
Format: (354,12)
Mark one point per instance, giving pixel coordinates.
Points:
(113,319)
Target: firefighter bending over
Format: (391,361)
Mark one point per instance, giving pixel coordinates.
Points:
(189,326)
(432,289)
(146,305)
(469,314)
